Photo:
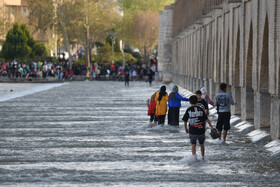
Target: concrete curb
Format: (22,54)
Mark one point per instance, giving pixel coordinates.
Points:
(244,127)
(274,148)
(259,136)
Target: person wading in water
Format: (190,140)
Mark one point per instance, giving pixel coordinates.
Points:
(174,105)
(161,108)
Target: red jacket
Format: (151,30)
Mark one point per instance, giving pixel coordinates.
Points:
(152,108)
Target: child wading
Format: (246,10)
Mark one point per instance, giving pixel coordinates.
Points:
(174,105)
(152,109)
(201,102)
(161,108)
(205,96)
(196,117)
(223,101)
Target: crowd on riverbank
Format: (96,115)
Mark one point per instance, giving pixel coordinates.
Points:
(35,70)
(61,70)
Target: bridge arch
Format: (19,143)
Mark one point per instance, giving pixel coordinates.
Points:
(263,97)
(247,90)
(236,89)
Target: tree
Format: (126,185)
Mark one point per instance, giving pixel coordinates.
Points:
(145,33)
(16,44)
(30,41)
(19,44)
(105,55)
(76,20)
(2,22)
(97,17)
(60,15)
(139,25)
(142,6)
(40,50)
(116,43)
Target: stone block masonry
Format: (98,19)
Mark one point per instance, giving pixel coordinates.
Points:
(205,43)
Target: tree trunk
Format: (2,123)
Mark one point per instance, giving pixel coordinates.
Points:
(87,34)
(86,51)
(67,45)
(145,56)
(90,49)
(87,48)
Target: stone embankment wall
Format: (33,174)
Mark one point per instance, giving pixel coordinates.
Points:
(236,42)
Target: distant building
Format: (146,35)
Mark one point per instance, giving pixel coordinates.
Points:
(12,11)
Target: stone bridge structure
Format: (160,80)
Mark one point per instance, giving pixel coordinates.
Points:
(207,42)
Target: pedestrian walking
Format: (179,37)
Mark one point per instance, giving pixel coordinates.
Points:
(152,109)
(126,79)
(174,105)
(150,77)
(161,107)
(196,118)
(134,74)
(108,74)
(223,101)
(201,102)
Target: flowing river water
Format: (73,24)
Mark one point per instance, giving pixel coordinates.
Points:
(97,134)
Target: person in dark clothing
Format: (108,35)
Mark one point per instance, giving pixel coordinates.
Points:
(126,79)
(197,118)
(202,102)
(174,105)
(150,77)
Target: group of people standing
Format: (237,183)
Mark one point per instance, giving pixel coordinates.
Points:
(196,116)
(158,106)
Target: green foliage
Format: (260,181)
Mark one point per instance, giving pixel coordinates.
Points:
(75,21)
(116,44)
(104,54)
(40,50)
(80,61)
(16,44)
(93,58)
(99,44)
(136,55)
(140,5)
(50,59)
(41,14)
(130,59)
(1,58)
(20,45)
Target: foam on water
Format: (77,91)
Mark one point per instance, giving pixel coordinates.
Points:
(217,141)
(189,158)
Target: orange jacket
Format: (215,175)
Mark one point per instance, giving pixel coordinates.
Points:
(161,107)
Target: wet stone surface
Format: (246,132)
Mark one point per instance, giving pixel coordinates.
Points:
(96,134)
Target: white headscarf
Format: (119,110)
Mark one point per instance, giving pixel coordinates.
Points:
(203,91)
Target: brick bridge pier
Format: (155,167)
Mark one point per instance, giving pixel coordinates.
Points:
(204,43)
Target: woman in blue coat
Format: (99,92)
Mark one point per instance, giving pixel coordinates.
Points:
(174,105)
